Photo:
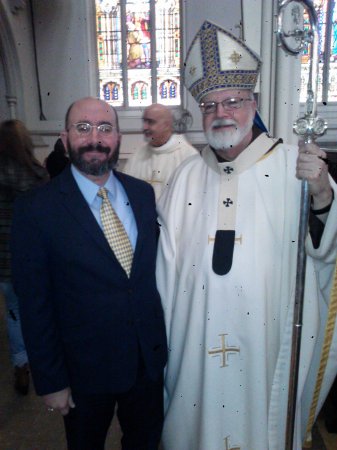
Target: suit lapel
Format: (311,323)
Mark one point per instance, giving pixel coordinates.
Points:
(78,208)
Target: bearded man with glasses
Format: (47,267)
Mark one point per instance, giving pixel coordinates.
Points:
(226,265)
(84,251)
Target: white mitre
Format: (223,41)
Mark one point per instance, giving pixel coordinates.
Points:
(217,60)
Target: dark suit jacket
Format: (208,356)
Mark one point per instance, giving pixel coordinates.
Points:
(84,322)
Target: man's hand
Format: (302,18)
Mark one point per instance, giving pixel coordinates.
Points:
(61,400)
(311,166)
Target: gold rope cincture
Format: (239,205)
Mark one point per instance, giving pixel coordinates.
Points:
(115,233)
(329,330)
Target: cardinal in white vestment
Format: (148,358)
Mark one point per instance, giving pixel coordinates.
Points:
(226,266)
(164,151)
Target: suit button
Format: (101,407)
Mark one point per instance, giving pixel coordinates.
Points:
(130,291)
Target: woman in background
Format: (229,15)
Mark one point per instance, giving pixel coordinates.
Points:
(19,172)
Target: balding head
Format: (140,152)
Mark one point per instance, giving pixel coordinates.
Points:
(157,124)
(90,104)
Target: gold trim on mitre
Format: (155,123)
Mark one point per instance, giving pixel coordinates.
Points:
(218,60)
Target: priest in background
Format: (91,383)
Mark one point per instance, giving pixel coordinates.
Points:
(226,266)
(164,151)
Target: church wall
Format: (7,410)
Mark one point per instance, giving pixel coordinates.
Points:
(18,71)
(66,56)
(62,48)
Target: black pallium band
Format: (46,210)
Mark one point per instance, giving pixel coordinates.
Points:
(223,251)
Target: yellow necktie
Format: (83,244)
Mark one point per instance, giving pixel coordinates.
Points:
(115,233)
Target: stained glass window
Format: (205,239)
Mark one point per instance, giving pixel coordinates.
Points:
(327,30)
(138,49)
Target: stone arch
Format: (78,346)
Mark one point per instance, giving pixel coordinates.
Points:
(11,101)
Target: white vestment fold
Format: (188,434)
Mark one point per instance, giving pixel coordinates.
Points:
(229,336)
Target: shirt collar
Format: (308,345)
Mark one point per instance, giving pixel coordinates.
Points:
(168,147)
(90,189)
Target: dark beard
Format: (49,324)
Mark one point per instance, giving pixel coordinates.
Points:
(94,167)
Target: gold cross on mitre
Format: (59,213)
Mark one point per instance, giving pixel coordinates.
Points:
(223,350)
(235,57)
(227,445)
(192,70)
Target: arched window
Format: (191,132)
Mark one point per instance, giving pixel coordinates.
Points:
(327,29)
(168,91)
(139,92)
(111,92)
(139,51)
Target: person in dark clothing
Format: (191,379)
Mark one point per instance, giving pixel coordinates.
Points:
(57,160)
(90,309)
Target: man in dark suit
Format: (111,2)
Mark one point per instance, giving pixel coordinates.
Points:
(94,332)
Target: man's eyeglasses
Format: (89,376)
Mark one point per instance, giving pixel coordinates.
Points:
(84,128)
(229,104)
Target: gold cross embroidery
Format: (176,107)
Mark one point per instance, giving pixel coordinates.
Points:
(235,57)
(227,445)
(238,240)
(153,180)
(223,350)
(192,70)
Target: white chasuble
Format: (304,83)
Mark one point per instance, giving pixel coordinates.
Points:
(229,336)
(155,165)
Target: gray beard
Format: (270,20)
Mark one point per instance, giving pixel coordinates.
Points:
(225,140)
